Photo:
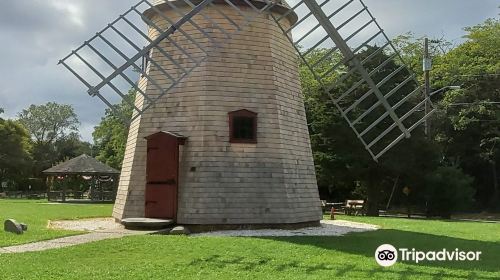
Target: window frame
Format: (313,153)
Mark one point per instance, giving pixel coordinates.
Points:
(247,114)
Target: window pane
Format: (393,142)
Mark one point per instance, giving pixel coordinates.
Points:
(243,128)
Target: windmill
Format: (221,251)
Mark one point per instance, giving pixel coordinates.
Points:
(218,135)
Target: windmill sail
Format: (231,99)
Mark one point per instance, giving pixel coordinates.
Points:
(108,63)
(379,105)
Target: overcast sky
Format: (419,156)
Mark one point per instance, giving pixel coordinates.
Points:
(35,34)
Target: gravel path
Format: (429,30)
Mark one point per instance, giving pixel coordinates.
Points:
(101,224)
(328,228)
(100,229)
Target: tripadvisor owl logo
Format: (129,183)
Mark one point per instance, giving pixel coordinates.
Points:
(387,255)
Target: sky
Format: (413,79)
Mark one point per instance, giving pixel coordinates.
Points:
(36,34)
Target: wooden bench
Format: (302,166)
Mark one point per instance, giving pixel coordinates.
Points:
(34,196)
(354,207)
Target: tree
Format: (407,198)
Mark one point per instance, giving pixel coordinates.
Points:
(448,190)
(49,122)
(71,146)
(46,155)
(341,161)
(50,126)
(468,122)
(14,150)
(475,58)
(412,51)
(110,136)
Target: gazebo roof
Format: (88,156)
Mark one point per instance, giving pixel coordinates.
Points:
(81,165)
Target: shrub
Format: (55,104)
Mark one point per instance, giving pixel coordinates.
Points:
(37,184)
(447,190)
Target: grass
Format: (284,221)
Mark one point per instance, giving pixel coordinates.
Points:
(346,257)
(36,215)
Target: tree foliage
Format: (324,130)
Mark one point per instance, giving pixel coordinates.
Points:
(469,122)
(14,150)
(110,136)
(53,129)
(448,190)
(477,57)
(49,122)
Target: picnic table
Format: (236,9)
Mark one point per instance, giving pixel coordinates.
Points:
(327,206)
(354,207)
(350,206)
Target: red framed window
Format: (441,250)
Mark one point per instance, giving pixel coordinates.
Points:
(243,127)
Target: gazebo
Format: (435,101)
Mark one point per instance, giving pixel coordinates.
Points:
(88,168)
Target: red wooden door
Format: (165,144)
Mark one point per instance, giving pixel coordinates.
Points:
(162,158)
(161,201)
(162,169)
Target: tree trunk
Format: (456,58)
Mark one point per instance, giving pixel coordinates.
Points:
(372,193)
(408,207)
(495,195)
(392,193)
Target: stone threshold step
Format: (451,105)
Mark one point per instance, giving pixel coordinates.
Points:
(146,223)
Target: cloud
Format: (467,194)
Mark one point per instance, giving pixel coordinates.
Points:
(37,33)
(429,17)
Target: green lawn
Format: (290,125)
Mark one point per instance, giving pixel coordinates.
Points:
(37,213)
(347,257)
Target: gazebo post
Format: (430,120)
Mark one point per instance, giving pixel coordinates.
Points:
(93,190)
(47,183)
(51,186)
(101,192)
(64,192)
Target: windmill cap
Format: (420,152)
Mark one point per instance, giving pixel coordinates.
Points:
(281,6)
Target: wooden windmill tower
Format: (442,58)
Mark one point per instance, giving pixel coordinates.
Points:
(219,134)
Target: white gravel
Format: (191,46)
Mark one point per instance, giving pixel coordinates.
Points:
(327,228)
(100,224)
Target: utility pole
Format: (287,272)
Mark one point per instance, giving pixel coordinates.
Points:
(427,66)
